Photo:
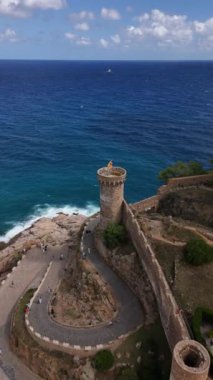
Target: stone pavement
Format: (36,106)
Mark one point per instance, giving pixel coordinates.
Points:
(27,274)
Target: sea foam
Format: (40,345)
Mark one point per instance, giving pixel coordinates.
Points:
(47,211)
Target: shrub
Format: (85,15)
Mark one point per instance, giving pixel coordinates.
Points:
(127,374)
(196,324)
(198,252)
(182,169)
(103,360)
(114,235)
(201,315)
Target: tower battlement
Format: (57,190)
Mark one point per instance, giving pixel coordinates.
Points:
(111,177)
(190,361)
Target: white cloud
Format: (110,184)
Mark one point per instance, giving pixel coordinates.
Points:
(44,4)
(135,31)
(104,43)
(143,17)
(110,14)
(204,28)
(22,8)
(83,15)
(82,26)
(70,36)
(83,41)
(8,35)
(116,39)
(204,32)
(162,27)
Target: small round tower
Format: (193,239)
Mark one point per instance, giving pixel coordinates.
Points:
(111,179)
(190,361)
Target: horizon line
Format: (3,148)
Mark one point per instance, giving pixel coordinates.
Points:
(106,60)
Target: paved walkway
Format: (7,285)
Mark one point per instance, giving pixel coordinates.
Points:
(27,274)
(129,317)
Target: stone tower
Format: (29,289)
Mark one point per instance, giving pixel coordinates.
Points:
(111,181)
(190,361)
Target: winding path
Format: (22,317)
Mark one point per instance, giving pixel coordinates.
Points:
(129,316)
(29,274)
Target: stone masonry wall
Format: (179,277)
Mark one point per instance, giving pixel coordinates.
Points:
(172,320)
(129,268)
(173,183)
(184,182)
(146,204)
(111,199)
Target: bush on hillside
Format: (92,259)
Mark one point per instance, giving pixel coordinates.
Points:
(114,235)
(103,360)
(198,252)
(127,374)
(200,316)
(182,169)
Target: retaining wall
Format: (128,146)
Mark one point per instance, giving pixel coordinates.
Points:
(172,320)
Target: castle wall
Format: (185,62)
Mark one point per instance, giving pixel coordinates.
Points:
(146,204)
(173,183)
(172,320)
(184,182)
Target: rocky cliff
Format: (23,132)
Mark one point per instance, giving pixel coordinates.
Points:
(194,204)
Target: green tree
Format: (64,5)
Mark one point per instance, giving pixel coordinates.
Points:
(114,235)
(198,252)
(181,169)
(103,360)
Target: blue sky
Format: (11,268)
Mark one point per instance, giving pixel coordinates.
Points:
(106,29)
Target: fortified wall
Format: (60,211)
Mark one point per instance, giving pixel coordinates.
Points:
(172,320)
(172,184)
(175,183)
(191,360)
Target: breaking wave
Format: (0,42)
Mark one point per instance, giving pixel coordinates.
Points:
(46,211)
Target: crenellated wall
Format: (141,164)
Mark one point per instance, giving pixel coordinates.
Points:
(172,184)
(172,320)
(175,183)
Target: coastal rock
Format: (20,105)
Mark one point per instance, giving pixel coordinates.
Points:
(53,232)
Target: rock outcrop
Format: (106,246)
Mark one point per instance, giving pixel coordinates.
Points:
(194,204)
(54,232)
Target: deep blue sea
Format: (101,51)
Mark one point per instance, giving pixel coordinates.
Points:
(61,121)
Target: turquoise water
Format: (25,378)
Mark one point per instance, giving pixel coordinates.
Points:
(61,121)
